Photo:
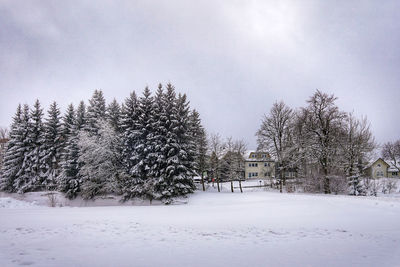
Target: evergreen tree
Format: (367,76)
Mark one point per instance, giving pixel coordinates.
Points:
(80,116)
(30,176)
(69,180)
(177,179)
(199,140)
(355,186)
(158,138)
(15,150)
(69,122)
(143,141)
(129,123)
(113,115)
(52,147)
(96,111)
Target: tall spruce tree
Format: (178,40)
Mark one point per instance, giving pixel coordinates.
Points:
(142,143)
(129,130)
(15,150)
(52,146)
(199,144)
(96,111)
(158,138)
(113,115)
(31,175)
(69,180)
(177,179)
(80,116)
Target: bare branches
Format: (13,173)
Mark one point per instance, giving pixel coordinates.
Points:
(391,152)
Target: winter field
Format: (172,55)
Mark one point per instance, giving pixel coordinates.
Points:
(256,228)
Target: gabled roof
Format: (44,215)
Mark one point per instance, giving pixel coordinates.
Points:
(373,162)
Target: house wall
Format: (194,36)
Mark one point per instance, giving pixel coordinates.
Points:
(262,169)
(393,174)
(379,169)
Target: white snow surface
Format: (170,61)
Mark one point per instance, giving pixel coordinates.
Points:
(256,228)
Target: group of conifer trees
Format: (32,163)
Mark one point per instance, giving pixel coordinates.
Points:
(148,147)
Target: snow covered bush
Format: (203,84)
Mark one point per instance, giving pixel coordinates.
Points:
(100,159)
(355,186)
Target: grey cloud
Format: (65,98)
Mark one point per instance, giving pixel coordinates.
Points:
(232,58)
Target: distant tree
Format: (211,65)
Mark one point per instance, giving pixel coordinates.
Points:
(357,143)
(323,122)
(391,152)
(3,137)
(275,136)
(217,148)
(239,149)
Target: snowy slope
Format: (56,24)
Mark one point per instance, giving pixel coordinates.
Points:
(250,229)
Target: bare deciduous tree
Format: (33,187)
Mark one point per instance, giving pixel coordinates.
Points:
(323,122)
(3,137)
(391,152)
(357,143)
(275,136)
(216,150)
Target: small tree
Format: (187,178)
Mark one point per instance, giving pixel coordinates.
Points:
(101,170)
(355,186)
(391,152)
(217,148)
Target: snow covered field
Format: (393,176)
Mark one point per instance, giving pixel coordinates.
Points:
(255,228)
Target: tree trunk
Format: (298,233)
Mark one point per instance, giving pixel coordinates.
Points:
(202,181)
(232,186)
(327,186)
(218,185)
(240,185)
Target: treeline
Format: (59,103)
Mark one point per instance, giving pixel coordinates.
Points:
(326,147)
(147,147)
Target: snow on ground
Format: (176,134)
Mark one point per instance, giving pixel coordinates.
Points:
(256,228)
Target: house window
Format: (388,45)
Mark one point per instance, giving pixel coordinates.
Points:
(253,155)
(249,174)
(266,164)
(379,173)
(395,173)
(267,174)
(249,164)
(263,155)
(379,165)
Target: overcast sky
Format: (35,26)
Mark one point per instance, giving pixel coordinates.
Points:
(232,58)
